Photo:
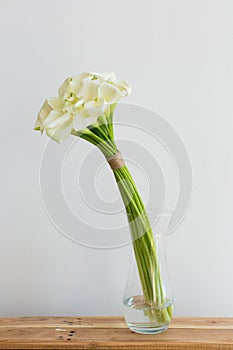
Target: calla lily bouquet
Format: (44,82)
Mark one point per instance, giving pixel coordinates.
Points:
(85,108)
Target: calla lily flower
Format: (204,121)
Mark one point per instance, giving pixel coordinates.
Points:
(81,100)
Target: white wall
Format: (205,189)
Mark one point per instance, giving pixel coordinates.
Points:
(178,57)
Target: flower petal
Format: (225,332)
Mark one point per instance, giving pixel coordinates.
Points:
(64,90)
(61,128)
(105,76)
(53,115)
(109,92)
(73,108)
(81,122)
(124,87)
(75,85)
(56,103)
(90,113)
(42,115)
(88,90)
(58,121)
(76,81)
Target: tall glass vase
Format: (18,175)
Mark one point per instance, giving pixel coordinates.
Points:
(142,316)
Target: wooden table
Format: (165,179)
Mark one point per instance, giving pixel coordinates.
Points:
(185,333)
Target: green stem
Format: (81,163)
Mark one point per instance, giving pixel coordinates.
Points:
(107,148)
(144,246)
(102,136)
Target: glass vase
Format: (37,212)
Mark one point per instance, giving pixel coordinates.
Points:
(153,315)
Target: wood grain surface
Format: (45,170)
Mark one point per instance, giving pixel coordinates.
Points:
(184,333)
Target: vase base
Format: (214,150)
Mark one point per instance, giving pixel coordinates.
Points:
(143,329)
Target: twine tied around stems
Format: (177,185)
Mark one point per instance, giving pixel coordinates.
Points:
(116,161)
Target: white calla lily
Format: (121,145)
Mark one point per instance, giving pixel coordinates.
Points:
(81,100)
(57,103)
(93,110)
(64,90)
(125,88)
(105,76)
(88,90)
(60,128)
(43,114)
(109,92)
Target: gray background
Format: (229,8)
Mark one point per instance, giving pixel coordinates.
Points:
(178,57)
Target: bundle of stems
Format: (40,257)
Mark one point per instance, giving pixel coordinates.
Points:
(101,135)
